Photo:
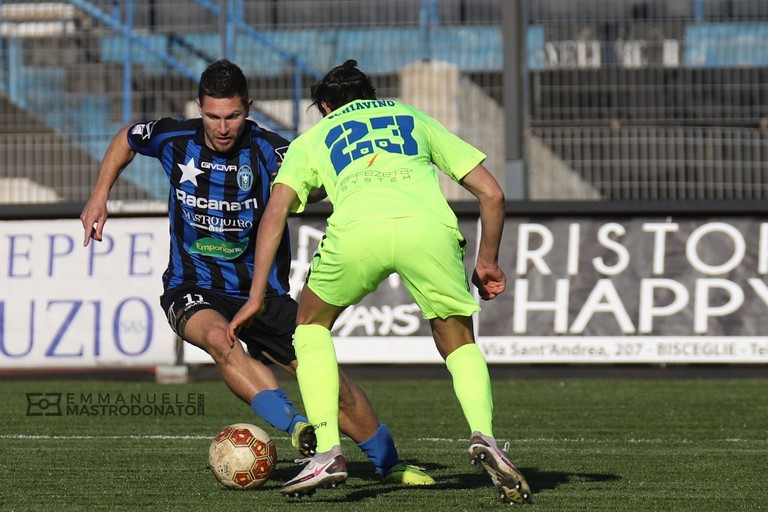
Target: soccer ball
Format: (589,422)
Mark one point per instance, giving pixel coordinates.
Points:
(242,456)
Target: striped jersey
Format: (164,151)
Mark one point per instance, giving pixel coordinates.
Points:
(215,203)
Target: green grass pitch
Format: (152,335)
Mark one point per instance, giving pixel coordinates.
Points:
(591,445)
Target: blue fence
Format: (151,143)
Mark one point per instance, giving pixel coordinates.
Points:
(43,90)
(95,65)
(717,45)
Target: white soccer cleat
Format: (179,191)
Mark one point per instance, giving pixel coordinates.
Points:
(509,481)
(327,469)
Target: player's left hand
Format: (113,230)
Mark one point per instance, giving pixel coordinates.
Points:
(490,281)
(242,319)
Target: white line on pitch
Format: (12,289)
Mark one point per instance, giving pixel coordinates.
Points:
(424,439)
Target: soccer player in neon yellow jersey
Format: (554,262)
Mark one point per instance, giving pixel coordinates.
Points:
(374,158)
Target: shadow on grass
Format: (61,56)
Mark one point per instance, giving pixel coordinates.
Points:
(537,480)
(367,485)
(543,480)
(362,470)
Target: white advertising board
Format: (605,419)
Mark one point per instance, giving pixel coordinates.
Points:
(561,349)
(580,290)
(65,305)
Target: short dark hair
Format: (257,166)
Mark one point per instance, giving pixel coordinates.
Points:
(341,85)
(223,79)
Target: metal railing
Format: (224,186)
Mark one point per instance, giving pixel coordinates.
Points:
(624,100)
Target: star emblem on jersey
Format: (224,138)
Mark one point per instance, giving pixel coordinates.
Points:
(189,172)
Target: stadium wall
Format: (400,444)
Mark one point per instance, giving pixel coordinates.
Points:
(587,283)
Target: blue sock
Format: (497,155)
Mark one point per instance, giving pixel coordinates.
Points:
(380,449)
(276,409)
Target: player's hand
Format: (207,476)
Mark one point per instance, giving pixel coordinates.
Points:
(490,281)
(273,175)
(93,217)
(243,319)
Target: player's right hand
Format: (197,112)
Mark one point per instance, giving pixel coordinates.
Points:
(93,217)
(490,281)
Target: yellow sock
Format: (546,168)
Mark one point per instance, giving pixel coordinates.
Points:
(318,376)
(472,385)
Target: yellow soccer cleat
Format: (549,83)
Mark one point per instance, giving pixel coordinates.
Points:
(407,474)
(303,438)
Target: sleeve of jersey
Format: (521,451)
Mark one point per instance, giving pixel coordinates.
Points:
(145,138)
(453,155)
(296,171)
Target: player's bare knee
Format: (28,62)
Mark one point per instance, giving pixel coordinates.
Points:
(218,347)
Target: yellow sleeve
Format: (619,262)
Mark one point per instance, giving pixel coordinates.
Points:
(298,173)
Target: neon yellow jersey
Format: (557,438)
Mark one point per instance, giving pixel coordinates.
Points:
(374,158)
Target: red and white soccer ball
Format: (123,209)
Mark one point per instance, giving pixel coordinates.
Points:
(242,456)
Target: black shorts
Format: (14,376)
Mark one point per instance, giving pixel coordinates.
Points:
(270,332)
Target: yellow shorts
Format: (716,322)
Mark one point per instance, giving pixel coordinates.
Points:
(353,259)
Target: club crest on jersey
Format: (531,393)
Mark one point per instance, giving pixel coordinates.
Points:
(245,178)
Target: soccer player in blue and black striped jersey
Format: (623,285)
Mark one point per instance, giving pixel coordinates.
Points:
(220,167)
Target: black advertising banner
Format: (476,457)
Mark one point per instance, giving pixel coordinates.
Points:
(591,289)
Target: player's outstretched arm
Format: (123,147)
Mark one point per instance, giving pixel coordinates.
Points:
(119,154)
(270,233)
(488,277)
